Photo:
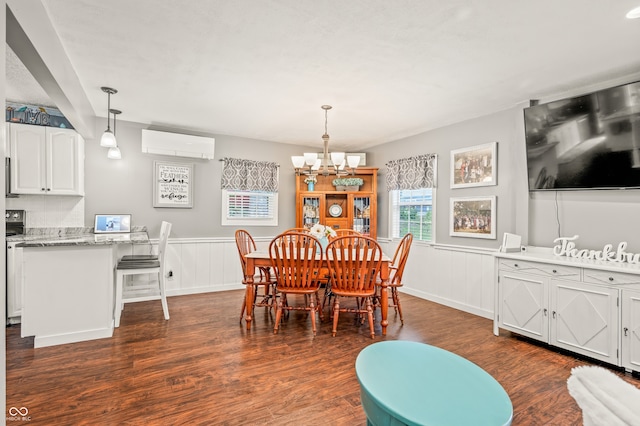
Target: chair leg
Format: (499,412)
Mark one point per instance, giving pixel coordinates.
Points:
(313,313)
(281,302)
(396,298)
(370,314)
(319,307)
(163,296)
(117,309)
(336,312)
(244,304)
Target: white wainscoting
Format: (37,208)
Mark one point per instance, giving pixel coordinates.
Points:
(459,277)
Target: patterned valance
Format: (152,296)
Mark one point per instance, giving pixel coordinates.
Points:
(412,172)
(249,175)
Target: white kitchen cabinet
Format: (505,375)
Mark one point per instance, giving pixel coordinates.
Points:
(585,306)
(584,319)
(523,305)
(46,160)
(630,344)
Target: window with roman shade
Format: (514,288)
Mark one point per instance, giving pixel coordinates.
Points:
(411,184)
(249,192)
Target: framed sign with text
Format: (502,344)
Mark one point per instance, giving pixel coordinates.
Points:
(172,185)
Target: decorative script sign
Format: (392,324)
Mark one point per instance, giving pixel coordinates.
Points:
(173,185)
(567,247)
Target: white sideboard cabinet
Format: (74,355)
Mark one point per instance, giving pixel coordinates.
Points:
(585,306)
(46,160)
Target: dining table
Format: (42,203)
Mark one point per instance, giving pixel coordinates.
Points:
(261,259)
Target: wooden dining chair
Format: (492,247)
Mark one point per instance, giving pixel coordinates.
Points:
(354,262)
(296,258)
(246,244)
(396,271)
(328,295)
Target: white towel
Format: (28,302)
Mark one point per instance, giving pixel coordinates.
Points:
(605,399)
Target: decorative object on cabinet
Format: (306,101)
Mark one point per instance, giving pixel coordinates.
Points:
(338,209)
(473,217)
(108,139)
(474,166)
(310,164)
(172,185)
(36,114)
(114,152)
(311,182)
(347,184)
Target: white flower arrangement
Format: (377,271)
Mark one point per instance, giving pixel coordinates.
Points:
(310,179)
(321,231)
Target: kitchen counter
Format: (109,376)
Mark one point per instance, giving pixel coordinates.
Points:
(68,283)
(79,239)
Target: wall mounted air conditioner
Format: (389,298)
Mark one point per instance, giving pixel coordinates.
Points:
(176,144)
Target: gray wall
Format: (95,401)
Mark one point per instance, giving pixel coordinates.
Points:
(598,217)
(125,186)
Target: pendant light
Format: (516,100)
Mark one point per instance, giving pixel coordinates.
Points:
(114,152)
(108,139)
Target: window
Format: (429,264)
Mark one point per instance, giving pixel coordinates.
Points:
(412,211)
(253,208)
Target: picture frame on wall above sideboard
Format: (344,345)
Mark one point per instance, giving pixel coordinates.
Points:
(172,184)
(473,217)
(474,166)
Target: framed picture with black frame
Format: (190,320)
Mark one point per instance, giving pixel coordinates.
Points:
(172,184)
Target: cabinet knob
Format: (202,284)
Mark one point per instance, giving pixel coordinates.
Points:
(544,311)
(554,271)
(41,189)
(48,189)
(553,314)
(626,331)
(610,278)
(515,265)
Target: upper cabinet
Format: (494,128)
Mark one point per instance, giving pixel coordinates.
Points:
(352,209)
(46,160)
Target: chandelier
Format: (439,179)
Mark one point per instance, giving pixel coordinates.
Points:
(310,164)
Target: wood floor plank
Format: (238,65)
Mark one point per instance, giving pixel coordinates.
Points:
(203,367)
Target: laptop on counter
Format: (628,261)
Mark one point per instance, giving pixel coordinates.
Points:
(108,227)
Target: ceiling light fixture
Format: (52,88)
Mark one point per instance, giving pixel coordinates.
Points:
(114,152)
(634,13)
(309,163)
(108,139)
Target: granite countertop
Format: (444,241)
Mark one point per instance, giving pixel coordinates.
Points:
(49,237)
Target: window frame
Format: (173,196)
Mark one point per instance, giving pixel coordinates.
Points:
(226,220)
(394,213)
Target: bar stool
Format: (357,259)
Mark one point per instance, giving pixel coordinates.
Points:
(151,290)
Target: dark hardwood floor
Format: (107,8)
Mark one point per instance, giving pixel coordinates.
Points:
(202,367)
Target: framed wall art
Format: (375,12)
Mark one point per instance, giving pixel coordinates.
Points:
(474,166)
(473,217)
(172,185)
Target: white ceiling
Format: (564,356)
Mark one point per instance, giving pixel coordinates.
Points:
(262,68)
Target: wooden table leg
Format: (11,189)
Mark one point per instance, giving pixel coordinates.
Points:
(384,297)
(249,290)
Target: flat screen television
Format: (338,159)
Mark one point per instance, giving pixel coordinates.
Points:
(585,142)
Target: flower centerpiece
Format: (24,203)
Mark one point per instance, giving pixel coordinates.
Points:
(347,184)
(322,232)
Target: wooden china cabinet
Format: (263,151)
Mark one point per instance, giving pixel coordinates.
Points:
(339,209)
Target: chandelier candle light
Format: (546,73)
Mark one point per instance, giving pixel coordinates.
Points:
(309,163)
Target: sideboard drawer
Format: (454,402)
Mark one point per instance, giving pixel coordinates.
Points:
(550,270)
(597,276)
